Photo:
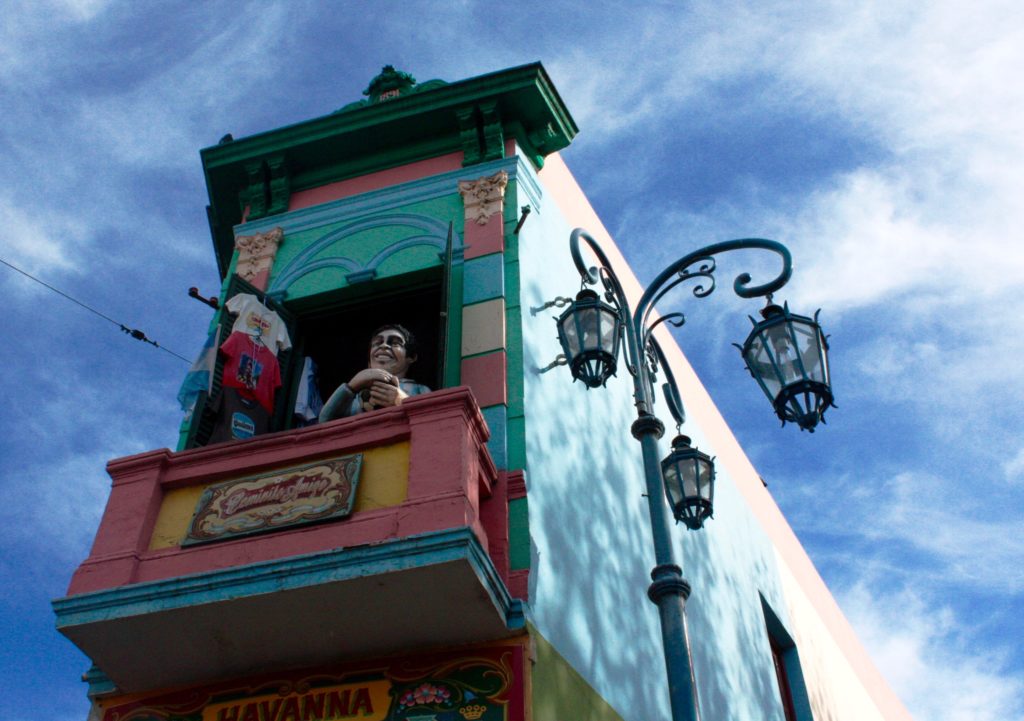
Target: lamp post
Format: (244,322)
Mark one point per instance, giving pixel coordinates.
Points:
(786,354)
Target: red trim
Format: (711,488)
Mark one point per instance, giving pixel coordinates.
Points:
(486,374)
(375,181)
(519,584)
(483,239)
(509,657)
(451,481)
(516,485)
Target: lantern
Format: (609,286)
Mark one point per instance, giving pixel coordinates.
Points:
(788,356)
(689,477)
(590,332)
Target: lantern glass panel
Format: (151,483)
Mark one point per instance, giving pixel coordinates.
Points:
(609,331)
(784,349)
(571,338)
(808,341)
(670,473)
(761,363)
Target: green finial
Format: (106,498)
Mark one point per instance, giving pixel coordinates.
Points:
(389,84)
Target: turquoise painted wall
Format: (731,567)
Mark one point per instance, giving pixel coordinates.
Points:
(591,549)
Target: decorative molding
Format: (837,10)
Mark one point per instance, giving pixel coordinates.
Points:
(279,184)
(516,484)
(428,231)
(484,197)
(468,135)
(256,254)
(395,198)
(492,133)
(294,572)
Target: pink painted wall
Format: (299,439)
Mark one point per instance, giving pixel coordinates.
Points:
(452,482)
(375,181)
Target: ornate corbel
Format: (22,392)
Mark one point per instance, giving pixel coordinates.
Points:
(256,255)
(484,197)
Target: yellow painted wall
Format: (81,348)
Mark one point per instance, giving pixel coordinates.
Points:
(383,482)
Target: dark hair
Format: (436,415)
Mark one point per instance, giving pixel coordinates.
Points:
(411,346)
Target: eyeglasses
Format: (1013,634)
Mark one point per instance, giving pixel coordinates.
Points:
(394,341)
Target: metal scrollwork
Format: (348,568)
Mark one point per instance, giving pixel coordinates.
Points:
(643,355)
(560,360)
(559,302)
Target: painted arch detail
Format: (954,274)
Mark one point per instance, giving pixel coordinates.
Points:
(432,233)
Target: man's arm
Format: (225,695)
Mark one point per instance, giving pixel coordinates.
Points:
(339,405)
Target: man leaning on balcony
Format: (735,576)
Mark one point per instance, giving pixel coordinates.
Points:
(383,383)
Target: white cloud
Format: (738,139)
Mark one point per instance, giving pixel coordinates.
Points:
(920,527)
(923,651)
(83,430)
(1014,467)
(33,243)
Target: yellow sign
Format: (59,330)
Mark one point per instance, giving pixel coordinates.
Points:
(326,489)
(366,701)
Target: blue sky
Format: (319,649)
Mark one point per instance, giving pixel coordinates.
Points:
(882,141)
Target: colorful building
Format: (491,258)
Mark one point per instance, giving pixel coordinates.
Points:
(477,552)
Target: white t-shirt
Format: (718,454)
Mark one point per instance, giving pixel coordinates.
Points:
(258,322)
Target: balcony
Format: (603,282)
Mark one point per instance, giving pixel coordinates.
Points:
(420,561)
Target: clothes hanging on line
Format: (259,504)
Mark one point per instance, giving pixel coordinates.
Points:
(200,375)
(252,368)
(238,418)
(259,322)
(308,401)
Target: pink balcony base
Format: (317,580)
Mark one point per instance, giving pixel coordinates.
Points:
(452,483)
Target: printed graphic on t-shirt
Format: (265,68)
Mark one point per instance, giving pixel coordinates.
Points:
(257,325)
(242,426)
(249,370)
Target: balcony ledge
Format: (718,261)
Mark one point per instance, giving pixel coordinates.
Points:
(435,589)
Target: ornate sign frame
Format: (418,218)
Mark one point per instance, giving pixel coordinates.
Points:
(280,499)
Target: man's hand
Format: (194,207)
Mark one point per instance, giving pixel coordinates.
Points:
(364,379)
(384,394)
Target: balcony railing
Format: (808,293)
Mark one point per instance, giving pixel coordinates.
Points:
(421,560)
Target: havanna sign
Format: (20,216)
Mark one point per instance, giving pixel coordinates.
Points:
(280,499)
(485,684)
(368,701)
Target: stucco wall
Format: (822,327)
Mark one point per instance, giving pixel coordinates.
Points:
(590,540)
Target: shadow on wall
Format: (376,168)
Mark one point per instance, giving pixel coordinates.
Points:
(591,538)
(728,637)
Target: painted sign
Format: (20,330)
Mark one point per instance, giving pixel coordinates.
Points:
(270,501)
(484,685)
(367,701)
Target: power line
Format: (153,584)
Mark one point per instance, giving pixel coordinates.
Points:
(133,332)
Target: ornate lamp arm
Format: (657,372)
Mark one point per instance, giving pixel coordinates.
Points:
(703,258)
(617,297)
(643,355)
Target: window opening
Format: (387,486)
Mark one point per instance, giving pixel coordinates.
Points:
(338,339)
(786,663)
(783,679)
(334,329)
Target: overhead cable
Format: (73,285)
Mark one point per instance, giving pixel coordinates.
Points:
(133,332)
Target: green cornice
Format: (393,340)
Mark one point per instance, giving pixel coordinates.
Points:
(520,103)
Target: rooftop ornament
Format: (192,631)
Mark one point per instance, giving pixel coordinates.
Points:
(786,353)
(389,84)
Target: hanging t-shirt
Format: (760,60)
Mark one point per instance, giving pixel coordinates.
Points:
(308,402)
(258,321)
(252,368)
(238,418)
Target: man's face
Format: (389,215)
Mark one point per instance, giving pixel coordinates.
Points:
(388,352)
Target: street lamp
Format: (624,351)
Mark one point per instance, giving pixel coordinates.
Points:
(689,483)
(589,332)
(786,354)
